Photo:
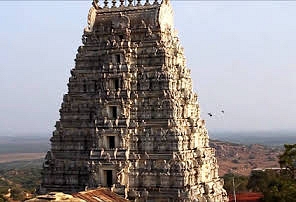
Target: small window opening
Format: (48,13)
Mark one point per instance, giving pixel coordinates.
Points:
(84,87)
(96,86)
(111,141)
(114,112)
(109,178)
(139,145)
(116,84)
(118,58)
(150,84)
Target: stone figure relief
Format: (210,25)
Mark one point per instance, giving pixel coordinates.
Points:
(121,22)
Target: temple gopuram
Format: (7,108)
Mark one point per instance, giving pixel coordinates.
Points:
(130,120)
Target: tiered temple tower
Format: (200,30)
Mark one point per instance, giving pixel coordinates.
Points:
(130,120)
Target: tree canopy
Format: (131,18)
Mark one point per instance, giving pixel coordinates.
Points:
(287,160)
(277,185)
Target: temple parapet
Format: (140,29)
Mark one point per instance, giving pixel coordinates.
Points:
(103,4)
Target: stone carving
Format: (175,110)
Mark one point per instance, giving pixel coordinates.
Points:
(48,159)
(130,120)
(91,16)
(121,22)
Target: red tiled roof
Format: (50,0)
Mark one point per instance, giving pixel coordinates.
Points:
(99,195)
(247,197)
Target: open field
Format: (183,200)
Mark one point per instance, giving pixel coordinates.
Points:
(6,158)
(21,178)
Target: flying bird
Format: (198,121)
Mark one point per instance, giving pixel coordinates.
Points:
(222,111)
(210,114)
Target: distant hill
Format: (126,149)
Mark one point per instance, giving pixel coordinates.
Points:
(241,158)
(267,138)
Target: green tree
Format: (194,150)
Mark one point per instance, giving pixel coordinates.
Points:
(258,181)
(277,186)
(287,160)
(240,182)
(17,194)
(280,189)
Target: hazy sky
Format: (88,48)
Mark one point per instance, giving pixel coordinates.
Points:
(242,55)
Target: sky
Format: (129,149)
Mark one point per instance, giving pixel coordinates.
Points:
(241,55)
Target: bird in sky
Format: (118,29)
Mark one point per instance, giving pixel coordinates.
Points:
(210,114)
(222,111)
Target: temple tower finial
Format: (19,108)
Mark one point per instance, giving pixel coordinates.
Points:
(121,3)
(106,3)
(139,3)
(96,4)
(130,2)
(113,3)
